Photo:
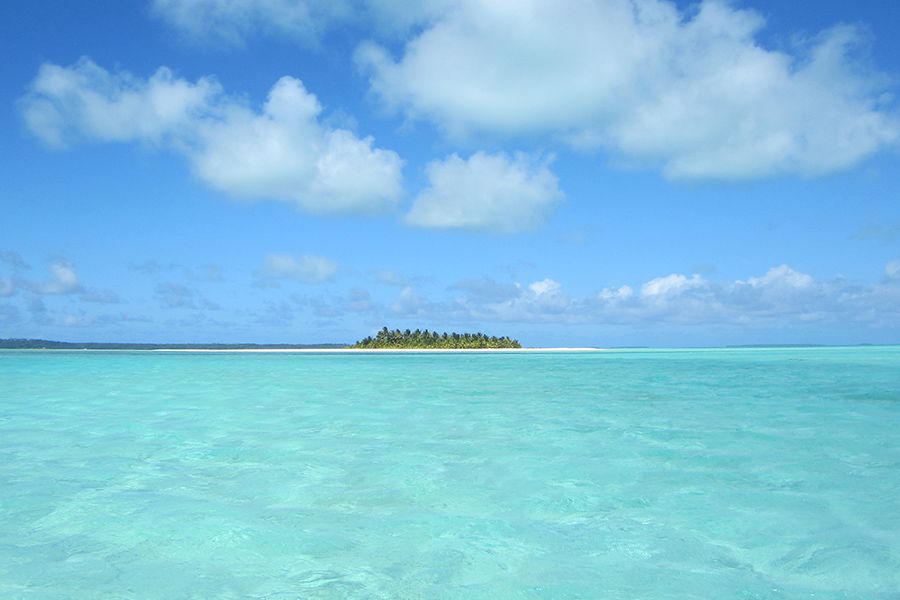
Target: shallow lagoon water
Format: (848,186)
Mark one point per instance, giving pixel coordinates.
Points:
(653,475)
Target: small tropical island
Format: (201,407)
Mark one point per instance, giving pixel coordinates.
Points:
(431,339)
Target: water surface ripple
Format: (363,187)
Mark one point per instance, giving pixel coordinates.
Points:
(653,475)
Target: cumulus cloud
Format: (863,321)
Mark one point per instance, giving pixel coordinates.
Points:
(63,280)
(85,102)
(282,151)
(692,92)
(782,295)
(489,192)
(671,285)
(304,269)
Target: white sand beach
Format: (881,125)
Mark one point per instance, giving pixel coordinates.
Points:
(377,350)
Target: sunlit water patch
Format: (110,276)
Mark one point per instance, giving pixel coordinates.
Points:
(652,475)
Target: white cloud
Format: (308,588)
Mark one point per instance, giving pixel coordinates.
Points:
(671,285)
(892,271)
(86,102)
(490,192)
(63,281)
(782,299)
(304,269)
(283,152)
(620,294)
(782,278)
(410,303)
(539,301)
(781,296)
(545,287)
(675,297)
(694,93)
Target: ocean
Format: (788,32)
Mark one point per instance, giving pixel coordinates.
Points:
(752,473)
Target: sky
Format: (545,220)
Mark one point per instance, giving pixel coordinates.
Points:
(574,172)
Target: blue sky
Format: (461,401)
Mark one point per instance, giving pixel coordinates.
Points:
(586,172)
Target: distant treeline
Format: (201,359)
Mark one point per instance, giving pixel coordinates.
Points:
(432,339)
(23,344)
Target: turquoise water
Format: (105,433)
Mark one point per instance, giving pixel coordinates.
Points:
(651,475)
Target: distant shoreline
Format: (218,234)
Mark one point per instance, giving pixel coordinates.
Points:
(385,350)
(316,350)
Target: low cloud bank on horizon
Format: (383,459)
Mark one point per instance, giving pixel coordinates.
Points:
(782,295)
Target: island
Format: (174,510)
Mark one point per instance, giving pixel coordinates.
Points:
(424,339)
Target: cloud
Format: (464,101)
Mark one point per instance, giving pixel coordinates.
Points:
(100,296)
(85,102)
(892,271)
(63,280)
(781,296)
(151,267)
(411,303)
(14,260)
(174,295)
(488,192)
(360,301)
(281,152)
(7,287)
(285,153)
(38,310)
(878,232)
(671,285)
(203,273)
(307,21)
(694,93)
(391,277)
(486,290)
(231,20)
(304,269)
(356,300)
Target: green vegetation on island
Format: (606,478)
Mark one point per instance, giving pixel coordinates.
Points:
(432,339)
